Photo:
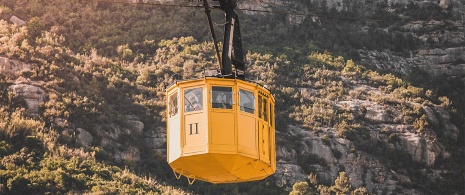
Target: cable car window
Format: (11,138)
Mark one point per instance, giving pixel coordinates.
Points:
(173,105)
(246,101)
(260,107)
(265,109)
(193,99)
(271,114)
(222,97)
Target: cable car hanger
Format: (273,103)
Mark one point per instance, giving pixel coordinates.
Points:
(233,53)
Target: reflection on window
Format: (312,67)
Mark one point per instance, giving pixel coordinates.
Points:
(222,97)
(174,106)
(260,109)
(246,101)
(193,99)
(265,109)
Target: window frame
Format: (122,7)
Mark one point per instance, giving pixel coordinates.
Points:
(259,105)
(214,95)
(265,110)
(242,107)
(173,103)
(194,102)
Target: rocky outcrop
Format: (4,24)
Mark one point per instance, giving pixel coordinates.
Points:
(13,67)
(328,155)
(433,43)
(155,140)
(287,174)
(17,21)
(84,138)
(385,60)
(377,161)
(135,125)
(449,61)
(33,96)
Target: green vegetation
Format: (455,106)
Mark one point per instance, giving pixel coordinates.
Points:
(341,187)
(101,62)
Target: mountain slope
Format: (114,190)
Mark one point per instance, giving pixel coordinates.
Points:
(77,114)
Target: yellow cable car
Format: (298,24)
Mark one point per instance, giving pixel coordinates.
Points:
(221,129)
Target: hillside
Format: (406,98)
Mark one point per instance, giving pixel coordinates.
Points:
(83,104)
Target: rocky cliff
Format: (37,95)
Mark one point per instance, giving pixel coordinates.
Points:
(429,34)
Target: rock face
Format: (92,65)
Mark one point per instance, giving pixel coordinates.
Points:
(84,138)
(449,61)
(155,140)
(135,125)
(329,156)
(379,160)
(33,96)
(435,44)
(17,21)
(119,142)
(13,67)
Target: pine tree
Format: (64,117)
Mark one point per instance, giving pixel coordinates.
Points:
(341,184)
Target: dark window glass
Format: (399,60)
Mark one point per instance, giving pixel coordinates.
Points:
(265,109)
(246,101)
(222,97)
(271,114)
(260,107)
(193,100)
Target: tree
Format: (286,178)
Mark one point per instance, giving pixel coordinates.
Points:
(360,191)
(302,188)
(35,28)
(341,184)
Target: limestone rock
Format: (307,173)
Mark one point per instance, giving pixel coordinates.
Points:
(110,144)
(288,174)
(33,96)
(155,138)
(315,146)
(430,115)
(135,124)
(444,4)
(112,131)
(285,154)
(450,130)
(17,21)
(84,138)
(377,114)
(13,67)
(420,149)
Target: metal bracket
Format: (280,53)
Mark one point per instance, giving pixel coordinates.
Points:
(177,176)
(190,181)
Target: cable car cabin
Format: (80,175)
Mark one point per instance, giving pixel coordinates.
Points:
(221,130)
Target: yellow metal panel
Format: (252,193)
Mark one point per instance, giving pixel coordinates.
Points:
(223,135)
(200,166)
(247,135)
(195,133)
(227,161)
(174,139)
(263,141)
